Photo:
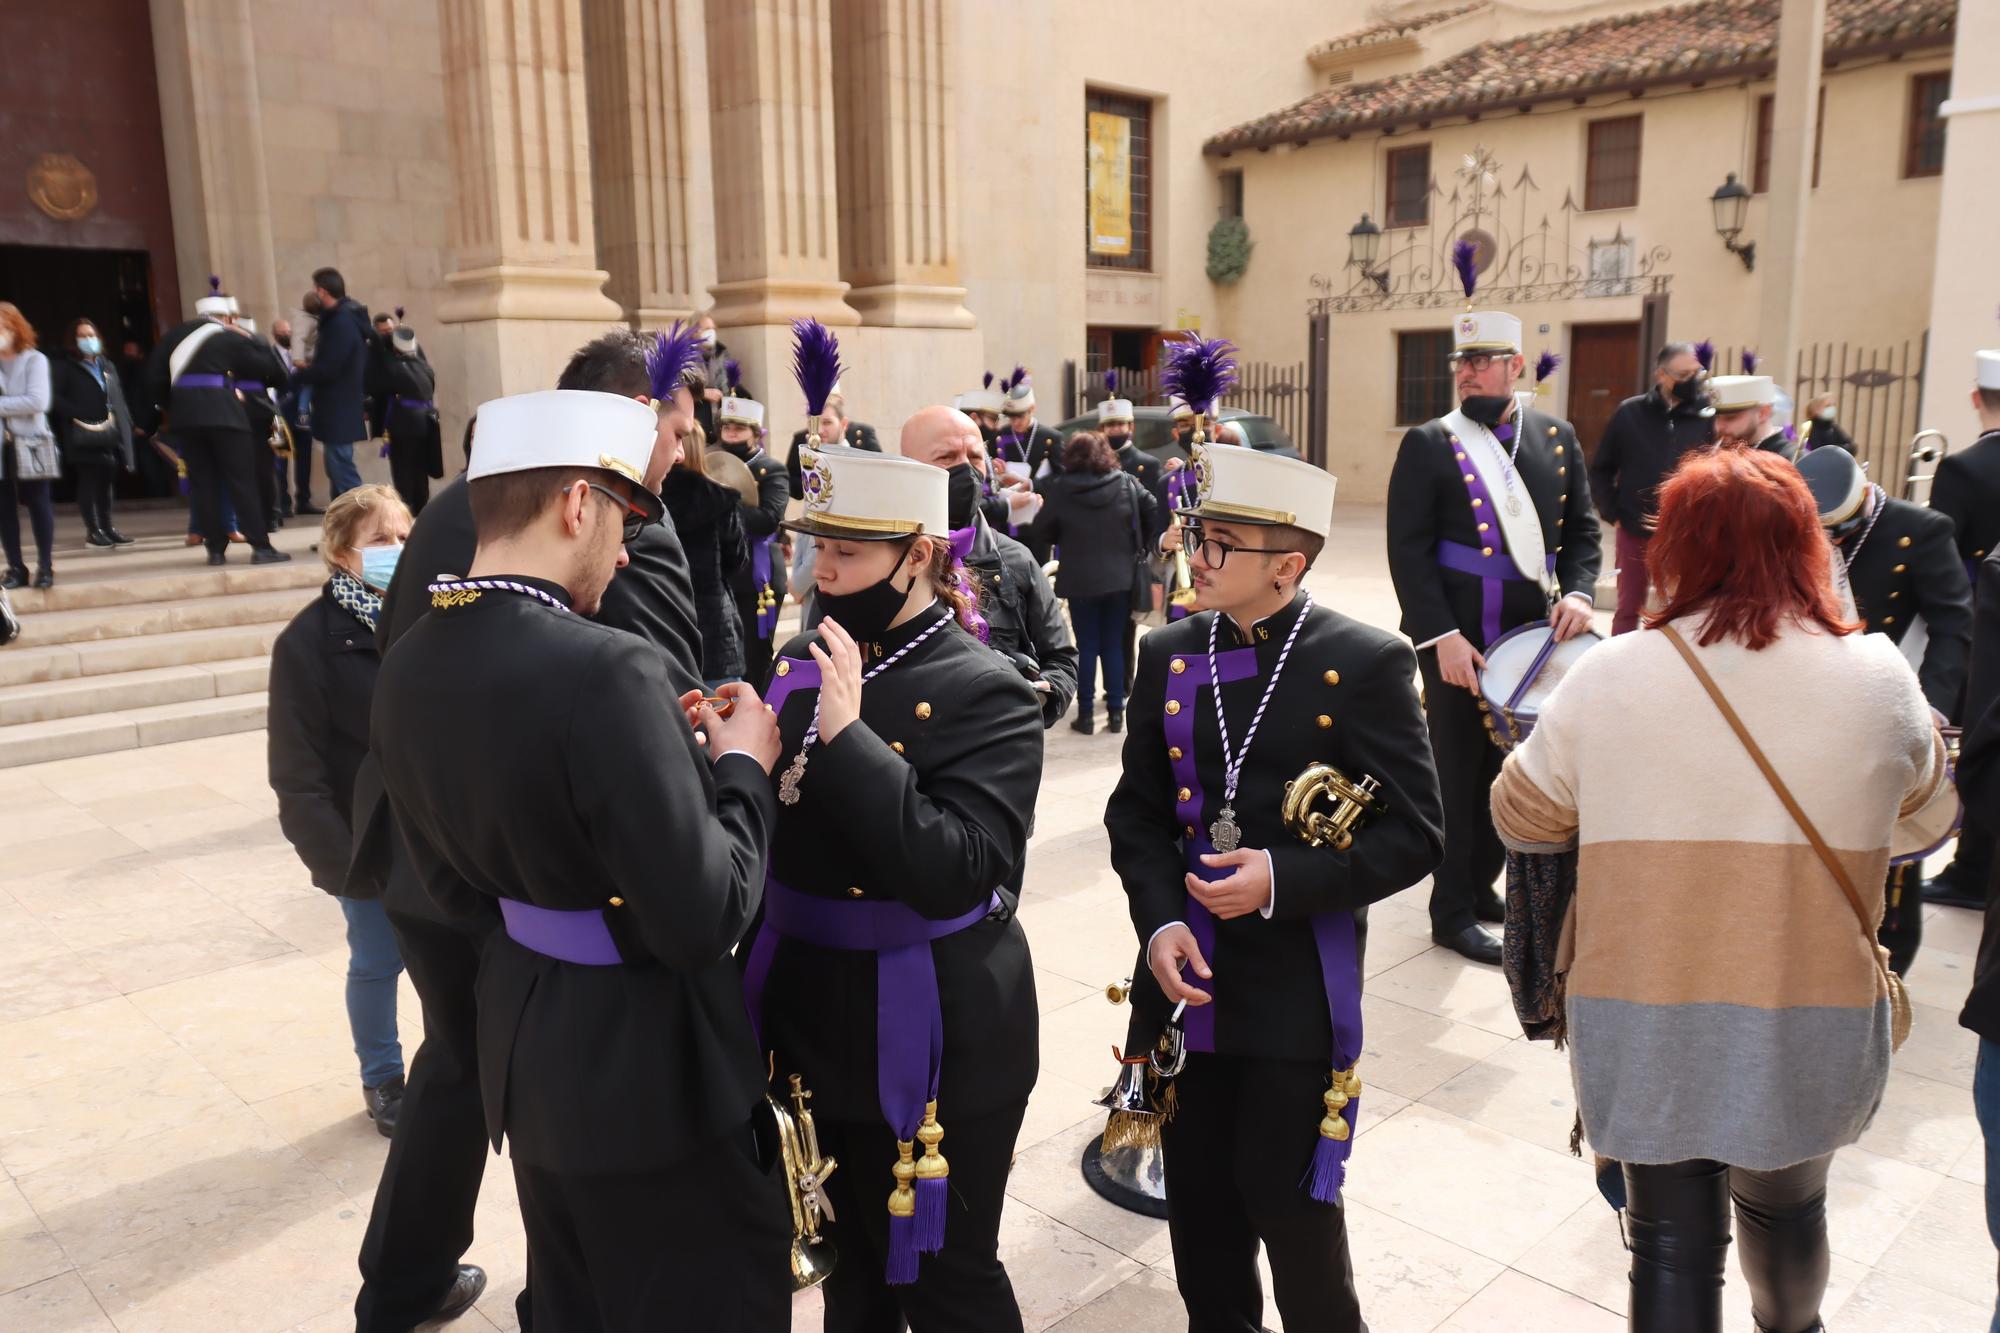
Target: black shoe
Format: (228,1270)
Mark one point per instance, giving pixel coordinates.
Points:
(1475,942)
(16,578)
(1943,891)
(465,1289)
(1115,723)
(306,507)
(117,538)
(383,1104)
(45,578)
(217,558)
(269,555)
(98,537)
(1492,908)
(1082,722)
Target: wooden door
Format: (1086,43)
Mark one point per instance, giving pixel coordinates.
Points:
(1603,372)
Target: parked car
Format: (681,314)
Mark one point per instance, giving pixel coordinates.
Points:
(1152,431)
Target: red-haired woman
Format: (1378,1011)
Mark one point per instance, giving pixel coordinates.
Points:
(1728,1013)
(28,455)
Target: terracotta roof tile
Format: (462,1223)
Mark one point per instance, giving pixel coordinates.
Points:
(1672,45)
(1393,28)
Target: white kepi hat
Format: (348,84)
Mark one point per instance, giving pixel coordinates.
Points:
(1987,363)
(855,495)
(1740,393)
(1234,484)
(742,412)
(1114,409)
(980,400)
(1486,331)
(569,428)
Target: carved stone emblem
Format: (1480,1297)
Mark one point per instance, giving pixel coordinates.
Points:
(62,187)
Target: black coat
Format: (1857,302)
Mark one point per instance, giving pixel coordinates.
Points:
(1428,503)
(1909,567)
(76,397)
(1140,465)
(1346,698)
(531,754)
(322,681)
(1979,788)
(261,407)
(1966,490)
(859,434)
(1022,615)
(338,373)
(226,352)
(1643,442)
(761,520)
(1042,445)
(926,801)
(706,519)
(395,384)
(1102,521)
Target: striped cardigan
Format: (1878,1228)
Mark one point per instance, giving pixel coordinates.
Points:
(1722,1001)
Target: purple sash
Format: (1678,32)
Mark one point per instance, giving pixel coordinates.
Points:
(1333,932)
(567,936)
(760,579)
(1492,571)
(202,382)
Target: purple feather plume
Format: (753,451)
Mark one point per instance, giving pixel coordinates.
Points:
(1020,377)
(670,356)
(1704,352)
(1111,384)
(399,314)
(1199,371)
(214,285)
(1546,365)
(987,383)
(1464,258)
(815,363)
(1749,361)
(732,378)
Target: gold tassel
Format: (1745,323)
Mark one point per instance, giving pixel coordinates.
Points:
(930,1134)
(1131,1129)
(903,1199)
(1333,1125)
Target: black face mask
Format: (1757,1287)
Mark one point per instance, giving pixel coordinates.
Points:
(1690,390)
(284,340)
(866,614)
(961,494)
(988,433)
(1487,408)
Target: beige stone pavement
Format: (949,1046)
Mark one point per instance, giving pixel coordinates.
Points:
(184,1148)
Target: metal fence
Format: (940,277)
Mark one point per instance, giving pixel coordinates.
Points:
(1877,391)
(1273,389)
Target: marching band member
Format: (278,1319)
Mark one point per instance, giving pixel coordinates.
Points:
(1257,931)
(761,583)
(887,970)
(1743,414)
(1486,532)
(1901,564)
(1026,451)
(614,1052)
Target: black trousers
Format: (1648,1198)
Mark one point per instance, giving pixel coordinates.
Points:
(1677,1225)
(302,464)
(1236,1150)
(36,495)
(1971,867)
(94,482)
(1467,763)
(702,1245)
(407,472)
(421,1224)
(1903,916)
(1131,642)
(219,459)
(962,1287)
(269,491)
(757,653)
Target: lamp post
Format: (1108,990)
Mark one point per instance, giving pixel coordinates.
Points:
(1364,243)
(1731,202)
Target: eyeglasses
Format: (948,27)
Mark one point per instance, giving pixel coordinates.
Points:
(1215,554)
(1476,362)
(636,518)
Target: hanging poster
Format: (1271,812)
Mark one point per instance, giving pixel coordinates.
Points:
(1110,184)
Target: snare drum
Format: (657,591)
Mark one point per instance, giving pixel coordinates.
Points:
(1937,823)
(1523,667)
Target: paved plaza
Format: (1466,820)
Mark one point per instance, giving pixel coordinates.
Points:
(185,1151)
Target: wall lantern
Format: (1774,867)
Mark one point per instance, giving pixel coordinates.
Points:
(1364,243)
(1732,206)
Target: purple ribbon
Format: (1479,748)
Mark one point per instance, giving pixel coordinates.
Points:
(1333,932)
(760,578)
(1493,571)
(961,547)
(1972,573)
(567,936)
(202,382)
(962,539)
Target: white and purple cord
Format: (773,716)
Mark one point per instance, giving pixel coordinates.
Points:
(500,585)
(812,732)
(1232,765)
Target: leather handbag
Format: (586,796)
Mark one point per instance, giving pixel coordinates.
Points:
(35,455)
(1900,1013)
(1149,589)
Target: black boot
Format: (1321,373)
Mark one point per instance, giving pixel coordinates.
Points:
(269,555)
(1082,722)
(17,577)
(45,578)
(383,1104)
(98,537)
(1114,722)
(117,538)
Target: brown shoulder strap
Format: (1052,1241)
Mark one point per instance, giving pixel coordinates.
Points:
(1826,856)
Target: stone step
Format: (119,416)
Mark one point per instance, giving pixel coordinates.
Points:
(81,696)
(186,578)
(102,733)
(94,624)
(23,664)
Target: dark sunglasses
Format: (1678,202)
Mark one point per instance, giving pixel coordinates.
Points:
(636,518)
(1215,553)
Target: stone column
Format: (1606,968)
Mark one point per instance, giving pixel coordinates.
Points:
(527,288)
(898,162)
(1961,291)
(648,96)
(1794,111)
(212,128)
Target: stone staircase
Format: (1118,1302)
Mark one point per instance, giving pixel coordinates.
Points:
(146,644)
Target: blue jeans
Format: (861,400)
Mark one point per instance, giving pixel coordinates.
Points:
(373,964)
(341,474)
(1100,637)
(1986,1105)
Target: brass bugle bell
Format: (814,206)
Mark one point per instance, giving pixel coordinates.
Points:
(1119,991)
(1927,447)
(806,1172)
(1351,803)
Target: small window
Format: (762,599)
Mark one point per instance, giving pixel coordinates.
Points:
(1118,181)
(1611,168)
(1760,170)
(1923,145)
(1423,376)
(1408,203)
(1232,193)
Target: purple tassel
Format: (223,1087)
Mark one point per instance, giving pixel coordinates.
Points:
(1198,372)
(901,1270)
(399,314)
(385,447)
(214,285)
(1704,352)
(931,1197)
(1111,384)
(185,488)
(1328,1170)
(732,378)
(1546,365)
(670,356)
(1464,258)
(1749,361)
(815,363)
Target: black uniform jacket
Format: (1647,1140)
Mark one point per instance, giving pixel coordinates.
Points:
(859,434)
(761,520)
(1346,698)
(1022,613)
(531,754)
(925,801)
(1428,503)
(260,387)
(1043,445)
(1979,788)
(1909,567)
(395,382)
(1966,490)
(1141,465)
(322,680)
(225,352)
